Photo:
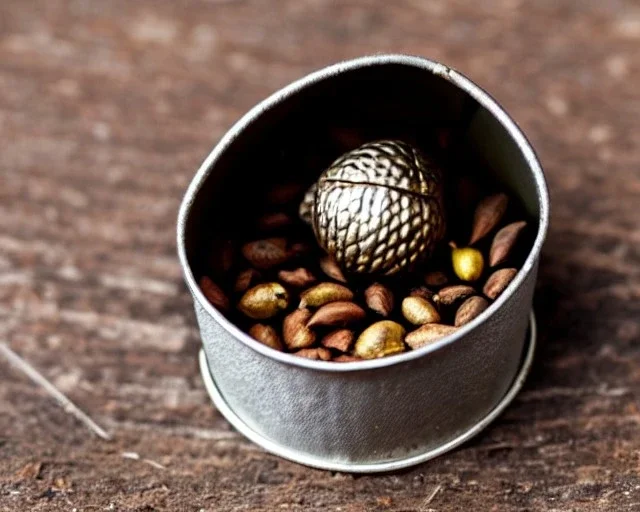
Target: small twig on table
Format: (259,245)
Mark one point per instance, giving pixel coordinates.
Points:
(68,406)
(429,498)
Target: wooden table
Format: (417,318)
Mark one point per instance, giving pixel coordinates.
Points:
(106,111)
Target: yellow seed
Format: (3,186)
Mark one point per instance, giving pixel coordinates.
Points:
(380,339)
(419,311)
(264,301)
(468,263)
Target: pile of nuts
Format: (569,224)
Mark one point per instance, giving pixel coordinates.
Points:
(287,294)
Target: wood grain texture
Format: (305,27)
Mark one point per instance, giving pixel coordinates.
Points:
(107,109)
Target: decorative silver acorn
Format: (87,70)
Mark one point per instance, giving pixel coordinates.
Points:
(378,209)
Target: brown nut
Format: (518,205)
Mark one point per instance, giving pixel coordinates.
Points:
(323,293)
(470,309)
(336,314)
(379,299)
(380,339)
(298,278)
(266,335)
(267,253)
(340,340)
(498,282)
(427,334)
(214,294)
(422,291)
(468,263)
(332,269)
(245,279)
(273,221)
(295,331)
(318,354)
(452,294)
(488,214)
(346,358)
(504,241)
(419,311)
(264,301)
(435,279)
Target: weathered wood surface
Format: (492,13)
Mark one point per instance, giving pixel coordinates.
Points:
(107,109)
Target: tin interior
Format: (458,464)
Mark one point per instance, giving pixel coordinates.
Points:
(295,138)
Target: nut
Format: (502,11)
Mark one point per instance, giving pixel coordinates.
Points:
(468,263)
(421,291)
(340,340)
(504,241)
(295,331)
(264,301)
(488,214)
(379,299)
(267,253)
(435,279)
(298,278)
(305,211)
(330,267)
(266,335)
(380,339)
(337,313)
(319,353)
(470,309)
(346,358)
(427,334)
(214,294)
(323,293)
(452,294)
(498,282)
(419,311)
(245,279)
(274,221)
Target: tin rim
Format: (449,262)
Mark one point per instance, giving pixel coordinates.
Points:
(445,72)
(308,460)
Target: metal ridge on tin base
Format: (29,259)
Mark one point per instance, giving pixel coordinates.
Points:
(392,465)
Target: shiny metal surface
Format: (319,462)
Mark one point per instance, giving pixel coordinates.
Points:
(378,209)
(369,413)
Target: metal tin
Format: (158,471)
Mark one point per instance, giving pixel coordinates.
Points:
(394,412)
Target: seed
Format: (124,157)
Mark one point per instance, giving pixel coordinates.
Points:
(340,340)
(266,335)
(295,331)
(379,299)
(470,309)
(421,291)
(320,353)
(346,358)
(245,279)
(498,282)
(274,221)
(298,278)
(214,294)
(488,214)
(452,294)
(332,269)
(264,301)
(337,313)
(504,241)
(427,334)
(323,293)
(268,253)
(305,211)
(435,279)
(468,263)
(419,311)
(380,339)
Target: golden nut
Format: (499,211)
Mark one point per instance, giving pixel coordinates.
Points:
(468,263)
(323,293)
(419,311)
(381,339)
(264,301)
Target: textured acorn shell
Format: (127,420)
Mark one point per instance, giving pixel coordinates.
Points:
(379,208)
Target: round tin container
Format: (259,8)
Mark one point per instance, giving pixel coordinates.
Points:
(384,414)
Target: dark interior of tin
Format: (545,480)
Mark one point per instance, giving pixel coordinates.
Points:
(300,136)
